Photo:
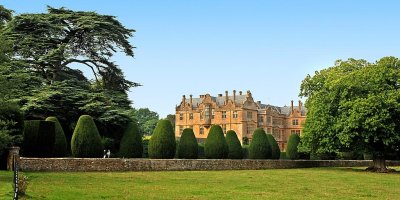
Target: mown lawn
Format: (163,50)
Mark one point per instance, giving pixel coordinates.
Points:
(314,183)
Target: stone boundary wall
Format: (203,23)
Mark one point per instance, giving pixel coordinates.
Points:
(117,164)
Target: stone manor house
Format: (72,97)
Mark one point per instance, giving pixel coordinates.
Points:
(238,112)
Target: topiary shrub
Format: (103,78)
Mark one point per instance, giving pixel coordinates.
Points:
(200,148)
(60,143)
(259,146)
(234,146)
(275,151)
(162,143)
(215,146)
(245,151)
(39,138)
(291,149)
(131,143)
(86,140)
(188,147)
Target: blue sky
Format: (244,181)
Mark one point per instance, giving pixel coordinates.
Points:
(268,47)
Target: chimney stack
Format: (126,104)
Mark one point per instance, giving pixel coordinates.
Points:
(226,97)
(240,92)
(184,100)
(300,105)
(219,95)
(234,95)
(191,100)
(292,106)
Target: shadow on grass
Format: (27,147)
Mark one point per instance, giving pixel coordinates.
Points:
(364,170)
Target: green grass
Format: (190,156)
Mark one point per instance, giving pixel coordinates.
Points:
(314,183)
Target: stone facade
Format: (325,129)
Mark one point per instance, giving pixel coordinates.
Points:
(116,164)
(238,112)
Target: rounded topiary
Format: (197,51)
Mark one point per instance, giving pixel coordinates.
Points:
(188,147)
(275,151)
(259,146)
(215,146)
(60,143)
(162,143)
(86,140)
(39,138)
(131,143)
(234,146)
(291,149)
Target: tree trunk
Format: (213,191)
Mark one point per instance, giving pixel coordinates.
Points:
(379,164)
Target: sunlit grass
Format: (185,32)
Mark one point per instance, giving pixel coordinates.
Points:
(314,183)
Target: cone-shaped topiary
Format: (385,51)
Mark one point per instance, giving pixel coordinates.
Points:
(131,143)
(86,140)
(275,151)
(39,137)
(291,149)
(188,148)
(259,146)
(234,146)
(60,143)
(162,143)
(215,146)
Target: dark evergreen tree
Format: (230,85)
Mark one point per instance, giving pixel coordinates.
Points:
(259,146)
(291,149)
(86,140)
(275,150)
(162,143)
(215,146)
(60,143)
(234,146)
(188,147)
(131,143)
(39,138)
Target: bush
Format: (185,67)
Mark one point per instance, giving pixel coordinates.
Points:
(86,140)
(234,146)
(60,143)
(275,151)
(145,147)
(259,146)
(283,156)
(291,150)
(131,143)
(245,151)
(162,143)
(39,138)
(188,147)
(200,148)
(215,146)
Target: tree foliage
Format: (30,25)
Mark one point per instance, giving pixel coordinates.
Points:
(275,150)
(39,138)
(234,146)
(259,147)
(86,140)
(60,143)
(162,143)
(292,147)
(147,120)
(188,147)
(354,104)
(131,143)
(215,146)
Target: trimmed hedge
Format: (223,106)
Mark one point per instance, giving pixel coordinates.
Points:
(86,140)
(60,143)
(259,146)
(215,146)
(39,138)
(162,143)
(188,147)
(275,151)
(291,150)
(234,146)
(131,143)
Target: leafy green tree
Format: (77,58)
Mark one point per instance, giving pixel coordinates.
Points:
(171,118)
(354,104)
(60,143)
(147,120)
(275,150)
(215,146)
(259,147)
(55,40)
(292,147)
(39,138)
(131,143)
(162,143)
(188,147)
(86,140)
(234,146)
